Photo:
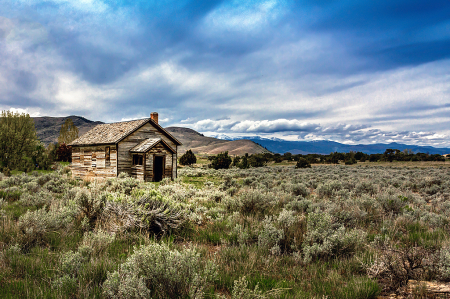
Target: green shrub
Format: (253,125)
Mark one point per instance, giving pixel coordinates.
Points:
(270,237)
(188,158)
(56,185)
(254,201)
(97,241)
(350,161)
(37,199)
(300,189)
(6,171)
(11,194)
(299,204)
(244,163)
(90,204)
(257,160)
(444,264)
(392,203)
(328,188)
(159,215)
(151,212)
(220,161)
(397,263)
(122,184)
(71,264)
(293,228)
(242,291)
(303,163)
(236,161)
(156,271)
(326,239)
(35,225)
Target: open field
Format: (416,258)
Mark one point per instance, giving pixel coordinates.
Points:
(202,160)
(271,232)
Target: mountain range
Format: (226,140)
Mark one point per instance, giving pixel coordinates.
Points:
(48,128)
(326,147)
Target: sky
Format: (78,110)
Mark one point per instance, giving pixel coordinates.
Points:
(356,72)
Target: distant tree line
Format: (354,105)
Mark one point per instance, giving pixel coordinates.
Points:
(223,160)
(20,149)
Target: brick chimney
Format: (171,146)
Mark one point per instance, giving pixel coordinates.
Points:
(154,116)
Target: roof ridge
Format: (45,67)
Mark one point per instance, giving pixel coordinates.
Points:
(126,121)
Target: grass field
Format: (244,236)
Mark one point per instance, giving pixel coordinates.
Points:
(331,231)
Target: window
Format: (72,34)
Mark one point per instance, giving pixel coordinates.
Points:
(107,154)
(138,160)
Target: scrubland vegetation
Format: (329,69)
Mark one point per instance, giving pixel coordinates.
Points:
(329,231)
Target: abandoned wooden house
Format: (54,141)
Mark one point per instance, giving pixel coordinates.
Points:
(141,148)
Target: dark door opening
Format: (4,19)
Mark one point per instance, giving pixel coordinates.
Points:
(158,168)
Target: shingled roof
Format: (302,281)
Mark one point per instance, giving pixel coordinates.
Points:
(115,132)
(147,144)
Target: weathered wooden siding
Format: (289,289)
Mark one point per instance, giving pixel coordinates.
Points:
(158,150)
(145,132)
(137,171)
(89,161)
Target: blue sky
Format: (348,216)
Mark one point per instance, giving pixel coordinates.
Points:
(349,71)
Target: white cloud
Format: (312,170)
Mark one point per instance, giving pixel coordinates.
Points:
(271,126)
(33,113)
(294,130)
(244,16)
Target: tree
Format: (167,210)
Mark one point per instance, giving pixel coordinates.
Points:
(302,163)
(334,158)
(374,157)
(389,154)
(244,162)
(236,161)
(64,153)
(257,160)
(68,132)
(350,161)
(359,155)
(350,158)
(188,158)
(42,157)
(18,139)
(287,156)
(221,161)
(51,151)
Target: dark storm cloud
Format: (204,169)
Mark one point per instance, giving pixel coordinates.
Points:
(387,33)
(410,54)
(25,80)
(157,32)
(269,66)
(103,46)
(19,101)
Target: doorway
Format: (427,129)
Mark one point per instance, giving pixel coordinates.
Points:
(158,168)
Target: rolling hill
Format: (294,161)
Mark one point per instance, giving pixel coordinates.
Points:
(200,144)
(48,128)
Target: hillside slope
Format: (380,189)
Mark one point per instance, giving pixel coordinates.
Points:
(48,128)
(200,144)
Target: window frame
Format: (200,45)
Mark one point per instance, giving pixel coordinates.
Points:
(138,160)
(107,154)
